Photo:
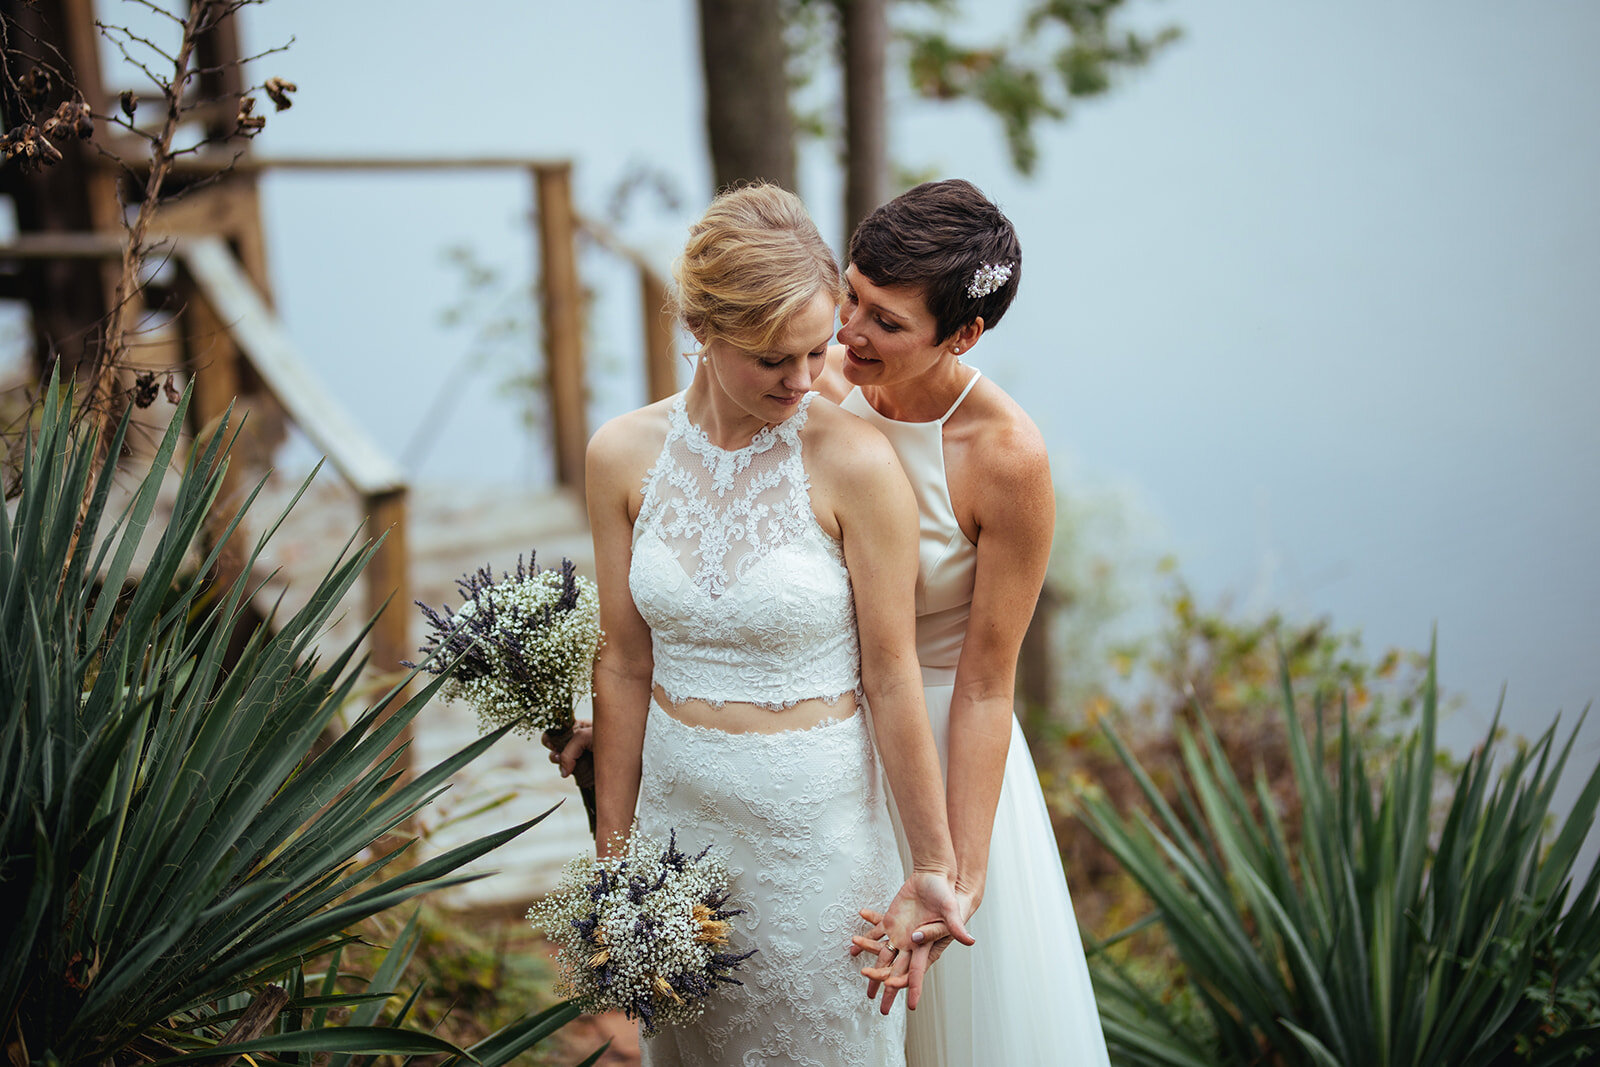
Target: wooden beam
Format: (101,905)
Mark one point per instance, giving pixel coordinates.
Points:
(389,598)
(213,162)
(563,319)
(213,364)
(660,333)
(224,284)
(62,245)
(229,209)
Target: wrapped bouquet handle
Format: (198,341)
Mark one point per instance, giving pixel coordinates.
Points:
(520,650)
(582,770)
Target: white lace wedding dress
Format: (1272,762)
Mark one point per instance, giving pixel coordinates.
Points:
(1021,994)
(748,600)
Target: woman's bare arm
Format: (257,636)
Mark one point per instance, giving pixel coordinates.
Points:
(622,670)
(876,513)
(1014,505)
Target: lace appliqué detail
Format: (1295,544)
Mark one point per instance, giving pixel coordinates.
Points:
(770,508)
(747,598)
(803,821)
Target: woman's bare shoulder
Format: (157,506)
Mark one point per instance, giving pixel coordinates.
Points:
(845,441)
(832,383)
(1000,427)
(1004,466)
(629,442)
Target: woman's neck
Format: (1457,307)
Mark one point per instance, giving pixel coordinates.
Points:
(922,398)
(725,424)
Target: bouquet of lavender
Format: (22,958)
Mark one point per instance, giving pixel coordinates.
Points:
(645,932)
(520,649)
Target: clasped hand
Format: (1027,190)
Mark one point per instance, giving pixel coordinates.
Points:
(925,916)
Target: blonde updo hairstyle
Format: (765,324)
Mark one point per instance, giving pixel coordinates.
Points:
(753,262)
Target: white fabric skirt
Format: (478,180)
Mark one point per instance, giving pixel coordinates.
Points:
(803,820)
(1021,994)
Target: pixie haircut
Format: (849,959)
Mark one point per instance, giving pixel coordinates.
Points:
(753,262)
(937,237)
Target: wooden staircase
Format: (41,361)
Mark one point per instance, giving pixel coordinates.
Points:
(218,332)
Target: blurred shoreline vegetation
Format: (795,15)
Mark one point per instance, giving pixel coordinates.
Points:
(1271,855)
(1130,645)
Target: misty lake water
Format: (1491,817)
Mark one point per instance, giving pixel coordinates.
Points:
(1313,295)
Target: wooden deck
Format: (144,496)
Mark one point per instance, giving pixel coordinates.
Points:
(453,530)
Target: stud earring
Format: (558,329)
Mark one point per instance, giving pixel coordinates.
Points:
(958,350)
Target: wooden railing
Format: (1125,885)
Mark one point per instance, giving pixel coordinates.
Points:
(225,320)
(558,226)
(231,321)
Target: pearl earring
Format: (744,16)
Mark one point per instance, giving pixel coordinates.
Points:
(958,350)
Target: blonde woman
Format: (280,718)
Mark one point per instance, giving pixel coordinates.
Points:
(756,555)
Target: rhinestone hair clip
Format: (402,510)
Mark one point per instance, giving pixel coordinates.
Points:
(987,278)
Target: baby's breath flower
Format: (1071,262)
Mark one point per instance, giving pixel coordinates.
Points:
(644,931)
(519,649)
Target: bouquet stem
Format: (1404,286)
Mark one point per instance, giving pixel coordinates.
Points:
(582,772)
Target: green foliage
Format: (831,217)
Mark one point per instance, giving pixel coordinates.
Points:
(1147,667)
(1385,937)
(1067,50)
(171,841)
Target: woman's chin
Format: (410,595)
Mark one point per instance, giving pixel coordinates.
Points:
(858,371)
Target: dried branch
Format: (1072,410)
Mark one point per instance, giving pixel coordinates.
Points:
(157,9)
(38,74)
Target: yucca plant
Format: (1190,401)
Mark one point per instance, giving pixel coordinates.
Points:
(173,851)
(1393,937)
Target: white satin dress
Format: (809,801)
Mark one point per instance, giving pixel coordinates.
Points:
(748,599)
(1022,994)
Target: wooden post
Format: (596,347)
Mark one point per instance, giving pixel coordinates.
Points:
(660,361)
(387,579)
(213,364)
(563,319)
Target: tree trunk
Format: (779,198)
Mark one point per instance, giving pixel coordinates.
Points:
(864,37)
(747,92)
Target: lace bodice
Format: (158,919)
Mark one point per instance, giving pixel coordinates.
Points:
(747,598)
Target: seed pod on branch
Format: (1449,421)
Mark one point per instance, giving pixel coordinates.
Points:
(250,123)
(72,119)
(35,86)
(278,89)
(129,102)
(144,389)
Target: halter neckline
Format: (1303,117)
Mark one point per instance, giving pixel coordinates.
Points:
(942,419)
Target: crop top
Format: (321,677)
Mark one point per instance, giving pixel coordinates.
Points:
(746,596)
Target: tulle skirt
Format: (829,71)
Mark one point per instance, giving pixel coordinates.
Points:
(803,819)
(1021,994)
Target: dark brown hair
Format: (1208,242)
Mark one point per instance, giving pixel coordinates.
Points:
(938,236)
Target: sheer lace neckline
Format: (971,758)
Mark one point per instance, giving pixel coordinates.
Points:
(746,595)
(725,463)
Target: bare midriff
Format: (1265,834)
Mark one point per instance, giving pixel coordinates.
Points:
(738,717)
